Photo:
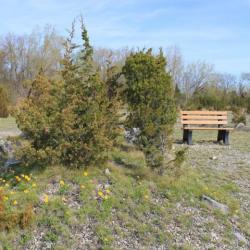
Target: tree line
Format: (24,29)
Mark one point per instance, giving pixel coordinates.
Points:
(197,84)
(68,97)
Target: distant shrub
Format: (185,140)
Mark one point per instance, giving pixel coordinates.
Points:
(215,98)
(150,97)
(3,103)
(208,98)
(248,104)
(239,116)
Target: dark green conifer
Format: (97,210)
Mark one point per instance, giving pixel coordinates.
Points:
(151,104)
(87,124)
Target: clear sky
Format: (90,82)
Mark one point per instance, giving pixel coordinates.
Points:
(217,31)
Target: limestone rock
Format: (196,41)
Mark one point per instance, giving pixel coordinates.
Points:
(240,237)
(215,204)
(240,125)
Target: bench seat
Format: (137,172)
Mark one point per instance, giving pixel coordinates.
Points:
(205,128)
(205,120)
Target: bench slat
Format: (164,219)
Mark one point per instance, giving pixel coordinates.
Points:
(204,122)
(203,117)
(206,128)
(201,112)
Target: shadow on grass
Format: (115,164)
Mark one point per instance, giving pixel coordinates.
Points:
(200,142)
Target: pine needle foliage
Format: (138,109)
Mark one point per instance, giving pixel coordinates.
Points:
(151,104)
(71,121)
(88,117)
(38,117)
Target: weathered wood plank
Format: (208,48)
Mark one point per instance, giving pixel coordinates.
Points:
(203,112)
(204,122)
(206,128)
(203,117)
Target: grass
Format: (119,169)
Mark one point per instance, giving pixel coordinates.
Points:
(127,200)
(64,207)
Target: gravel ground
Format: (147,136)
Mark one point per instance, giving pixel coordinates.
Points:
(225,164)
(190,226)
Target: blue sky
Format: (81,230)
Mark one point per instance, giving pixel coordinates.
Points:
(217,31)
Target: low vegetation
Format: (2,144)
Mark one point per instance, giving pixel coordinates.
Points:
(124,205)
(72,178)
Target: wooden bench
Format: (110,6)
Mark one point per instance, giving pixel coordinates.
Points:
(205,120)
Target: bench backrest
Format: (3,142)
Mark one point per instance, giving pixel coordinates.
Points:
(204,118)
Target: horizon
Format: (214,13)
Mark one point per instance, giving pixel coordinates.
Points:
(214,32)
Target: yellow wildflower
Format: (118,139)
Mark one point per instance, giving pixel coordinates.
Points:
(34,185)
(5,198)
(3,181)
(7,185)
(62,183)
(14,202)
(100,193)
(22,175)
(82,186)
(105,197)
(85,173)
(108,191)
(146,196)
(25,191)
(46,198)
(27,178)
(18,178)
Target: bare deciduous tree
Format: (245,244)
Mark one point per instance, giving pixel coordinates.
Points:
(196,76)
(22,56)
(175,65)
(105,58)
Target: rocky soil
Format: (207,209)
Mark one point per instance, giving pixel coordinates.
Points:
(192,224)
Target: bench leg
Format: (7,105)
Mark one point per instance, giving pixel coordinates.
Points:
(185,135)
(226,137)
(220,135)
(189,139)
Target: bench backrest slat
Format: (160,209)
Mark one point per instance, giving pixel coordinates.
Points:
(204,117)
(203,122)
(203,112)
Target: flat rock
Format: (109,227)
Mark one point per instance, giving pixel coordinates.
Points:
(132,135)
(215,204)
(240,237)
(107,171)
(213,157)
(240,125)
